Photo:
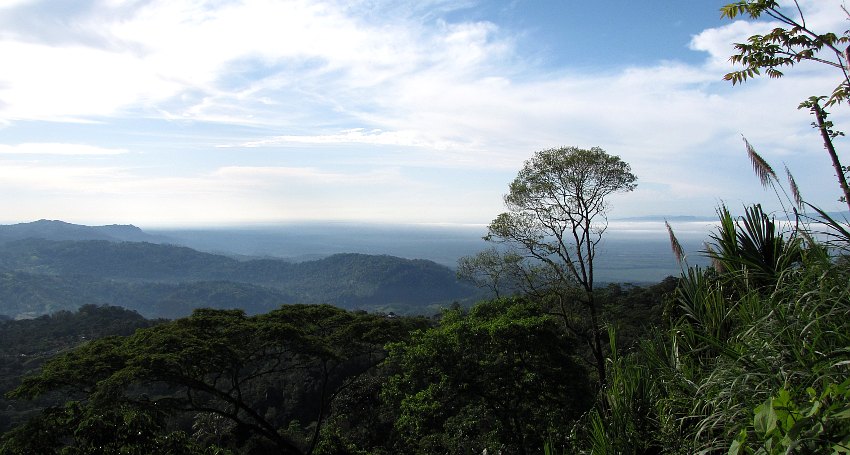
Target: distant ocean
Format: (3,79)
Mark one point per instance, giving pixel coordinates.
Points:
(640,251)
(631,251)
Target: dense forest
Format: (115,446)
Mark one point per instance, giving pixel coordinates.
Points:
(26,344)
(750,355)
(336,381)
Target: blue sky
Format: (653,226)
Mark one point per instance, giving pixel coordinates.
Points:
(180,112)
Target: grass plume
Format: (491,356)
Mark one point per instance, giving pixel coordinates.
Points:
(678,251)
(760,166)
(795,190)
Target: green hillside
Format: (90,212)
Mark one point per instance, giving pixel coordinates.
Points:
(43,276)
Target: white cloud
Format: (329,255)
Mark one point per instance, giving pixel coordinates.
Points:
(51,148)
(331,79)
(253,175)
(153,52)
(354,136)
(719,42)
(41,82)
(49,179)
(6,4)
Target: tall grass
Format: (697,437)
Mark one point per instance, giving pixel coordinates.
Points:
(755,356)
(766,337)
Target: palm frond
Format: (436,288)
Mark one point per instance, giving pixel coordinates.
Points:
(838,234)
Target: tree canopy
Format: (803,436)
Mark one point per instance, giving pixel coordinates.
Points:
(263,374)
(500,377)
(787,45)
(556,209)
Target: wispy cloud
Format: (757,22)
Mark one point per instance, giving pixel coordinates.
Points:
(245,193)
(191,59)
(254,175)
(354,136)
(57,148)
(50,179)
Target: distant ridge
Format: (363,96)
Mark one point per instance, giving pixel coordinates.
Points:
(59,230)
(699,219)
(676,218)
(839,216)
(39,276)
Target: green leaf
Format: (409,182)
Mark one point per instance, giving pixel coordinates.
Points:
(814,409)
(737,446)
(845,414)
(764,421)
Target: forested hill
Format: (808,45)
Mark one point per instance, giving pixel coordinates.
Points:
(28,295)
(40,276)
(60,230)
(137,261)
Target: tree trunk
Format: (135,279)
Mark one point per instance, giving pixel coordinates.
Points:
(320,417)
(598,352)
(820,115)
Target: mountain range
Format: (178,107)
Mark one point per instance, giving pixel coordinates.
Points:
(48,266)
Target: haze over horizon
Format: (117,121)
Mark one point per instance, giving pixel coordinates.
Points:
(202,113)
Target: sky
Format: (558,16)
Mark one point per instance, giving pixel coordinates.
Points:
(206,113)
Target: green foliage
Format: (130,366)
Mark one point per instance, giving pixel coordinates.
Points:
(785,46)
(751,252)
(500,377)
(755,361)
(78,429)
(639,411)
(820,423)
(569,171)
(499,271)
(632,311)
(26,344)
(265,374)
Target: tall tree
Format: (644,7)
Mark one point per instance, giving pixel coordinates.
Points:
(556,217)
